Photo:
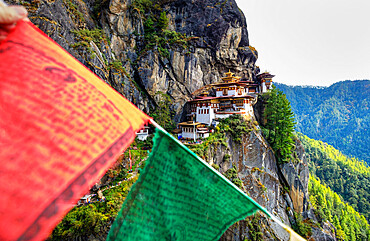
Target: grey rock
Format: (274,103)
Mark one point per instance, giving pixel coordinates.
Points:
(327,233)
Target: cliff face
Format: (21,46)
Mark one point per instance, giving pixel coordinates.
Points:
(108,37)
(281,189)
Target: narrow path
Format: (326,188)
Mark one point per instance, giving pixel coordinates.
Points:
(133,174)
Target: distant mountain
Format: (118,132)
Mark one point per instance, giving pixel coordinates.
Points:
(338,115)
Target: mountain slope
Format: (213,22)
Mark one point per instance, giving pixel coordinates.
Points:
(338,115)
(349,224)
(348,177)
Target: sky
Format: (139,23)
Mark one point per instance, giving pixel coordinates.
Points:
(310,42)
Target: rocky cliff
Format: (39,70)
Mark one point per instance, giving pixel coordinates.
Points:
(258,170)
(145,48)
(200,41)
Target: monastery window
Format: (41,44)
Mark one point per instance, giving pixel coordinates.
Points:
(239,102)
(224,91)
(207,111)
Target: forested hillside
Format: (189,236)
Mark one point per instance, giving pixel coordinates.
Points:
(338,115)
(330,207)
(348,177)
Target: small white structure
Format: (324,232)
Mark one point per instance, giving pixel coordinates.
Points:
(143,133)
(193,130)
(265,80)
(85,199)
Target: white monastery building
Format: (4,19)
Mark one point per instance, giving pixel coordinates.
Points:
(233,96)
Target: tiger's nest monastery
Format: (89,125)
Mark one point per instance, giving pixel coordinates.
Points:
(232,96)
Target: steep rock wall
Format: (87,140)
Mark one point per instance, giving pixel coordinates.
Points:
(257,168)
(218,42)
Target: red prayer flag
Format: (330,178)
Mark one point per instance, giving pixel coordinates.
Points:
(61,128)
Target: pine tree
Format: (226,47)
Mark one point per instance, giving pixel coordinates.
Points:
(163,114)
(279,124)
(162,21)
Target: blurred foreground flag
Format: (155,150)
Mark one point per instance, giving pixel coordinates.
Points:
(179,197)
(61,127)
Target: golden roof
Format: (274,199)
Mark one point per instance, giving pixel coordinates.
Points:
(230,78)
(189,123)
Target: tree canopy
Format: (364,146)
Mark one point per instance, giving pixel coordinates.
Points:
(279,124)
(349,224)
(338,114)
(348,177)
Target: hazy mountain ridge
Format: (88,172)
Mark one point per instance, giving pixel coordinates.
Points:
(338,114)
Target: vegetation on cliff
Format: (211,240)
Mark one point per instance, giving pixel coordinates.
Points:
(235,125)
(162,114)
(279,124)
(156,35)
(348,177)
(329,206)
(93,220)
(338,114)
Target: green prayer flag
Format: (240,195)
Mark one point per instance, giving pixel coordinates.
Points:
(179,197)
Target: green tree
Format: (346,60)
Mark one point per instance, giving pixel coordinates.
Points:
(163,114)
(279,124)
(162,21)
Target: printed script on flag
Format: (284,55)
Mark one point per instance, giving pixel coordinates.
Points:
(178,197)
(61,127)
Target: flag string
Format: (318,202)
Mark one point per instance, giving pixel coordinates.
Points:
(261,208)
